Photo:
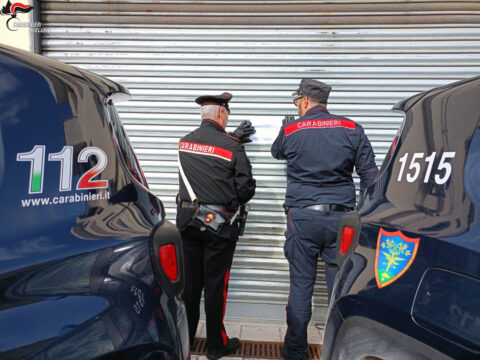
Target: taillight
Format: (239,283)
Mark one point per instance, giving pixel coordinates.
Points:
(394,145)
(166,252)
(347,237)
(168,259)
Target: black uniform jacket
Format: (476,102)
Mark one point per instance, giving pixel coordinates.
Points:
(218,170)
(322,150)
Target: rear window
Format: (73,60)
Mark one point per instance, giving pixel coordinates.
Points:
(54,155)
(472,170)
(129,158)
(421,187)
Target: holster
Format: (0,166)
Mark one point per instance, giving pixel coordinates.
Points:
(242,218)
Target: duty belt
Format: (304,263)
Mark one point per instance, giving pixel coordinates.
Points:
(329,207)
(220,208)
(321,207)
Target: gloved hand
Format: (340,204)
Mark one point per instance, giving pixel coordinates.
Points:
(243,131)
(287,119)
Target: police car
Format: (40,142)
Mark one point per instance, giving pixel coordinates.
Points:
(409,279)
(89,267)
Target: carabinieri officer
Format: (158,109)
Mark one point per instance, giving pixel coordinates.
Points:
(321,150)
(215,179)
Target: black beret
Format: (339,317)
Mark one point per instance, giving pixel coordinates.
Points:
(313,89)
(222,100)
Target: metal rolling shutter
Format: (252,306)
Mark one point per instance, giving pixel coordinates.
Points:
(373,53)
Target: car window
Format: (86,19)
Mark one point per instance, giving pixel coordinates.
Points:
(33,120)
(391,151)
(422,183)
(128,156)
(472,170)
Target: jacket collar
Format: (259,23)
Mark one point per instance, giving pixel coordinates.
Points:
(211,123)
(316,109)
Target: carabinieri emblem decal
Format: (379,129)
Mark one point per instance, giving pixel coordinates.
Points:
(395,254)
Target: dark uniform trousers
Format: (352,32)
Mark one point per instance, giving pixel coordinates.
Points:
(208,259)
(309,234)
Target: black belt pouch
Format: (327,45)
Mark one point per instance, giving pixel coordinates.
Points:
(209,218)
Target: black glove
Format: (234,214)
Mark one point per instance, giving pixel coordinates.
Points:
(243,131)
(287,119)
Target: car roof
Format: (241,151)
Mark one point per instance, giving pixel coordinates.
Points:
(406,104)
(100,84)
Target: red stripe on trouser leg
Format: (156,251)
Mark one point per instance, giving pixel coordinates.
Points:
(225,286)
(286,313)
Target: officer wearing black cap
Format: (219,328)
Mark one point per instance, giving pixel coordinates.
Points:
(321,150)
(215,179)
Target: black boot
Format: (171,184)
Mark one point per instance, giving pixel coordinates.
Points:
(285,356)
(232,345)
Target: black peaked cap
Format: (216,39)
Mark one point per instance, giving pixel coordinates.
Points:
(221,100)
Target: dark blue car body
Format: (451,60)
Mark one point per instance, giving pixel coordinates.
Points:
(426,196)
(81,271)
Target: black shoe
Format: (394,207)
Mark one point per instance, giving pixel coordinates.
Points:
(284,354)
(232,345)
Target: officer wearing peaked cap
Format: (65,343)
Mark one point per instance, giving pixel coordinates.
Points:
(321,151)
(215,179)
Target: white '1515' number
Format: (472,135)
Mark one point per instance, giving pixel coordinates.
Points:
(415,167)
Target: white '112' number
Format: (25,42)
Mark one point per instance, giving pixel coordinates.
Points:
(415,167)
(36,157)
